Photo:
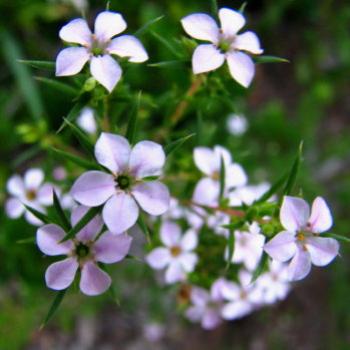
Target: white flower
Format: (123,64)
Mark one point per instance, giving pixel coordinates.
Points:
(247,194)
(226,44)
(86,120)
(248,247)
(177,256)
(153,331)
(98,48)
(216,221)
(237,124)
(30,191)
(301,241)
(209,162)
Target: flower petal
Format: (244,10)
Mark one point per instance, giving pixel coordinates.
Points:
(158,258)
(235,176)
(106,71)
(109,24)
(248,41)
(300,265)
(206,160)
(93,280)
(242,68)
(93,188)
(188,261)
(282,247)
(152,196)
(71,61)
(322,250)
(14,208)
(174,273)
(201,26)
(199,296)
(231,21)
(111,248)
(170,233)
(113,152)
(211,319)
(189,240)
(60,275)
(294,213)
(234,310)
(33,178)
(15,186)
(120,212)
(48,239)
(45,194)
(230,291)
(76,31)
(321,217)
(32,219)
(147,158)
(206,58)
(128,46)
(206,192)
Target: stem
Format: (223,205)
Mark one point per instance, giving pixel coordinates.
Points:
(105,121)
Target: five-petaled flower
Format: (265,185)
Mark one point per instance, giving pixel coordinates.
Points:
(83,252)
(226,44)
(129,184)
(177,255)
(97,48)
(301,241)
(28,191)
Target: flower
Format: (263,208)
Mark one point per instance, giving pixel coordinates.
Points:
(226,44)
(301,242)
(86,120)
(177,255)
(248,247)
(209,162)
(237,124)
(30,191)
(125,187)
(206,306)
(248,194)
(243,297)
(83,252)
(97,48)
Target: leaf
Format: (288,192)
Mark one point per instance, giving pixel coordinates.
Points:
(168,64)
(273,189)
(337,237)
(144,228)
(132,125)
(41,216)
(234,226)
(214,8)
(231,248)
(294,171)
(261,268)
(54,306)
(49,65)
(92,212)
(59,86)
(150,178)
(74,159)
(222,179)
(173,146)
(73,113)
(170,46)
(60,213)
(199,129)
(243,6)
(270,59)
(29,240)
(146,26)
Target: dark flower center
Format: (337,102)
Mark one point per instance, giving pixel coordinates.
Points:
(31,195)
(97,47)
(123,181)
(225,44)
(82,250)
(175,251)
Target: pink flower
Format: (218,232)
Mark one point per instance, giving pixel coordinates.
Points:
(225,44)
(83,252)
(124,189)
(30,191)
(98,48)
(177,255)
(301,241)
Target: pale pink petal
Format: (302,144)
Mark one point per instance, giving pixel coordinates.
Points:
(33,178)
(120,212)
(206,160)
(71,61)
(174,273)
(14,208)
(147,158)
(282,247)
(241,67)
(294,213)
(77,32)
(216,289)
(322,250)
(231,21)
(45,194)
(211,319)
(222,152)
(194,313)
(235,310)
(206,192)
(111,248)
(93,188)
(32,219)
(93,280)
(106,71)
(230,291)
(15,186)
(170,233)
(128,46)
(188,261)
(300,265)
(201,26)
(152,196)
(235,176)
(92,229)
(48,239)
(109,24)
(158,258)
(60,275)
(206,58)
(189,240)
(248,41)
(199,296)
(321,217)
(113,152)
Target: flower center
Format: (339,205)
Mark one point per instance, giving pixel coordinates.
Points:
(123,182)
(175,251)
(225,44)
(31,195)
(301,236)
(97,47)
(216,176)
(82,250)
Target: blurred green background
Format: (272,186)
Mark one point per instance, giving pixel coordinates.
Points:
(306,99)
